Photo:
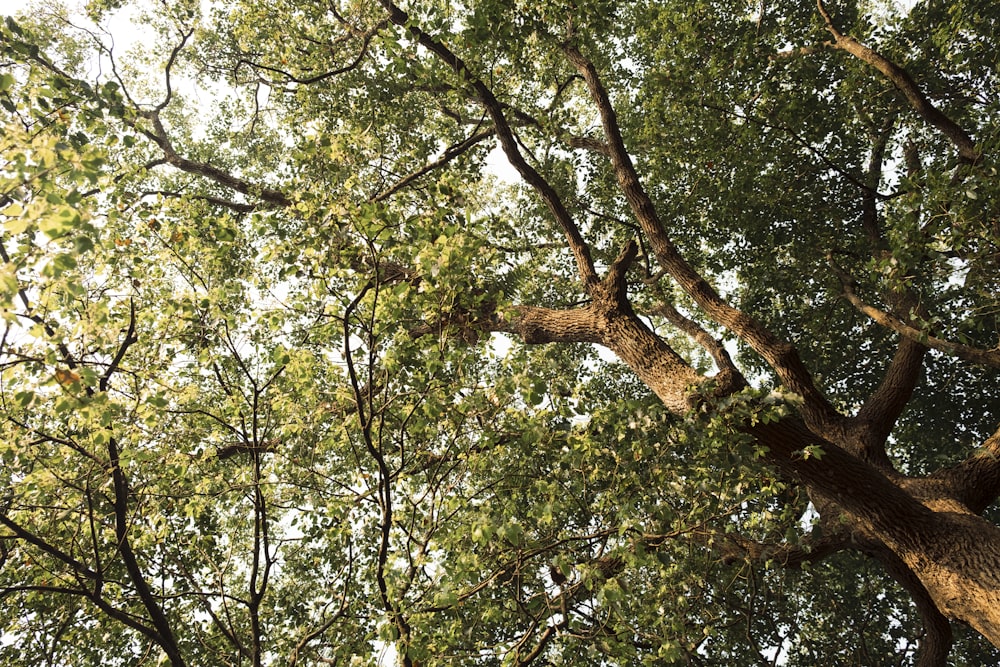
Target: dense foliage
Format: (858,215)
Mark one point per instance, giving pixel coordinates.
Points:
(282,374)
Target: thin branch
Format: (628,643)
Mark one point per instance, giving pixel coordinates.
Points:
(449,154)
(127,342)
(170,63)
(236,207)
(974,355)
(508,142)
(802,141)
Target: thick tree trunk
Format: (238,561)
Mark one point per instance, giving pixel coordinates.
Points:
(957,559)
(954,553)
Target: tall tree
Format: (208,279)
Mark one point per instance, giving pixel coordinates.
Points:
(293,373)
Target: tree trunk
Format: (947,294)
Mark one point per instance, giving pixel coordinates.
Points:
(954,553)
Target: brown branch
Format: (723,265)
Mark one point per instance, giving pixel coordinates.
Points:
(874,421)
(608,320)
(974,355)
(590,144)
(729,379)
(789,556)
(449,154)
(781,356)
(159,136)
(508,142)
(880,411)
(81,572)
(793,53)
(937,640)
(900,78)
(536,325)
(975,482)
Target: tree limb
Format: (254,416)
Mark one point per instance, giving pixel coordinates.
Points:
(729,377)
(781,356)
(900,78)
(974,355)
(975,482)
(508,142)
(449,154)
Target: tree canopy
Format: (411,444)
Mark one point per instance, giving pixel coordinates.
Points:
(486,332)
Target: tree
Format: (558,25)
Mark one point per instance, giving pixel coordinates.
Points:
(292,374)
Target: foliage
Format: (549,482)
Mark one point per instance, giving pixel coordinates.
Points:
(257,405)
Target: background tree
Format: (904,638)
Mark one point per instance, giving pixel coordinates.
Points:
(292,374)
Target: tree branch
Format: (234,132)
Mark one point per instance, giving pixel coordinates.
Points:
(967,353)
(508,142)
(900,78)
(782,356)
(936,643)
(880,411)
(449,154)
(789,556)
(975,482)
(159,136)
(729,378)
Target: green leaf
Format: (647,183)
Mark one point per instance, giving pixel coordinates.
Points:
(59,223)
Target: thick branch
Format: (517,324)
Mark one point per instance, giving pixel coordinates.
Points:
(609,320)
(879,413)
(789,556)
(937,546)
(904,82)
(782,356)
(876,418)
(729,378)
(975,482)
(936,643)
(535,325)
